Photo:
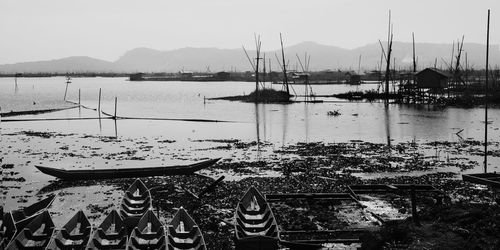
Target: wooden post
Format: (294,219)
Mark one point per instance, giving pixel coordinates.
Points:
(414,213)
(486,97)
(115,106)
(79,97)
(99,104)
(65,91)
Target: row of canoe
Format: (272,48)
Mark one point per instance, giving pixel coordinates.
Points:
(134,226)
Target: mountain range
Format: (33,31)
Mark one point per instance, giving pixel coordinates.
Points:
(323,57)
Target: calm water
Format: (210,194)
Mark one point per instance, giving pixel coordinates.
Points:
(280,124)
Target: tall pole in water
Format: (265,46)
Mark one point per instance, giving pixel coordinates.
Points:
(414,61)
(486,97)
(388,68)
(285,79)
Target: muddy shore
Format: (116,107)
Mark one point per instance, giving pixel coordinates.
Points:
(467,218)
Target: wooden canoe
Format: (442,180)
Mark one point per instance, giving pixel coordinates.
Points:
(36,235)
(256,226)
(22,217)
(111,173)
(111,234)
(135,203)
(184,233)
(148,234)
(73,235)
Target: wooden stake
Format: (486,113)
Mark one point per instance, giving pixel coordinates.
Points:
(115,106)
(99,103)
(486,97)
(65,91)
(414,61)
(79,96)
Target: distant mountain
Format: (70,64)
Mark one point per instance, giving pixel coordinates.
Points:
(323,57)
(77,64)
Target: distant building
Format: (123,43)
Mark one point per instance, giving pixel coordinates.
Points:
(431,78)
(353,78)
(223,76)
(137,77)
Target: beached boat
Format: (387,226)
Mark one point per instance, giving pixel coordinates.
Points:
(36,235)
(148,234)
(184,233)
(135,203)
(73,235)
(111,234)
(256,226)
(111,173)
(14,221)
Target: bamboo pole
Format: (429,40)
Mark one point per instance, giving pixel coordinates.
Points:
(65,91)
(99,103)
(116,100)
(486,97)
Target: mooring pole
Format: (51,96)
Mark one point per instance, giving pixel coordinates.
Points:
(414,213)
(486,97)
(99,103)
(79,96)
(115,106)
(65,91)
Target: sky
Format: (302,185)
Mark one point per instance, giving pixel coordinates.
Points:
(34,30)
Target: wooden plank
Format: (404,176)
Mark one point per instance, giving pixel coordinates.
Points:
(484,179)
(335,196)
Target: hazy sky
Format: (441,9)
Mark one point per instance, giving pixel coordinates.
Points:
(49,29)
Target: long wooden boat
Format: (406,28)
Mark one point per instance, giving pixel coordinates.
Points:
(36,235)
(184,233)
(256,226)
(148,234)
(490,179)
(111,234)
(111,173)
(73,235)
(135,203)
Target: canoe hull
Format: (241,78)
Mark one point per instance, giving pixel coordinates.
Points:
(93,174)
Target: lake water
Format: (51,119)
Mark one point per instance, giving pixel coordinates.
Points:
(84,143)
(276,123)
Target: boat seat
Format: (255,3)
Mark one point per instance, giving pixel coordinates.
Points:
(120,245)
(34,244)
(189,234)
(111,236)
(174,244)
(254,219)
(35,237)
(137,204)
(131,196)
(270,231)
(148,236)
(251,212)
(75,236)
(160,244)
(66,246)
